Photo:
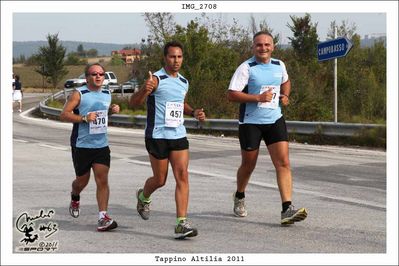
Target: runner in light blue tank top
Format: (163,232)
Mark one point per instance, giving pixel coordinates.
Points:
(260,85)
(165,107)
(87,108)
(165,135)
(260,77)
(263,76)
(91,101)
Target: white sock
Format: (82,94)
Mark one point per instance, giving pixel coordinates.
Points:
(101,214)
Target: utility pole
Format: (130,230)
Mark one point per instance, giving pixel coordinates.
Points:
(335,83)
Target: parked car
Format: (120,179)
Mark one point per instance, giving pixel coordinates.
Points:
(109,79)
(76,82)
(129,86)
(69,83)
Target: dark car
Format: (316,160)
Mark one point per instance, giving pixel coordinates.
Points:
(129,86)
(73,83)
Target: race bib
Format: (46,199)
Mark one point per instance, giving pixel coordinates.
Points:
(273,104)
(99,126)
(174,114)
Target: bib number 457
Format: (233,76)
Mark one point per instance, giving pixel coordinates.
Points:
(176,114)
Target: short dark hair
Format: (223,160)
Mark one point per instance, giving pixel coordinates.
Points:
(88,66)
(172,44)
(17,77)
(262,32)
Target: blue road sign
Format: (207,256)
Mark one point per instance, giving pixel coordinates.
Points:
(332,49)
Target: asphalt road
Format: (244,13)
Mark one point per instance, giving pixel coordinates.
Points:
(344,190)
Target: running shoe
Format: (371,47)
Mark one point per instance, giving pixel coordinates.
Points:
(106,224)
(74,208)
(184,229)
(143,208)
(239,206)
(292,215)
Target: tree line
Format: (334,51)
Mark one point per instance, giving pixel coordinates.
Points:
(213,50)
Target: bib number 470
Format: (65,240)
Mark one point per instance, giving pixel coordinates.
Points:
(99,121)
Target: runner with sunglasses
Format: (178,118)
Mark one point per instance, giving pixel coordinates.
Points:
(88,108)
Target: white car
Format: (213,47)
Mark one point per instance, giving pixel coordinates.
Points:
(109,79)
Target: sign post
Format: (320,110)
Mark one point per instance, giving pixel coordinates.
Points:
(333,49)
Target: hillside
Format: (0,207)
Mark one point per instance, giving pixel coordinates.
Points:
(104,49)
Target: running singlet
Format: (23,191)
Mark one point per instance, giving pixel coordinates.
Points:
(253,77)
(94,134)
(165,107)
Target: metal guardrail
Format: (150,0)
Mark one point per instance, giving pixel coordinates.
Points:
(297,127)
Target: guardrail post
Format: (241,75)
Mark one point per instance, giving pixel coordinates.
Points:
(65,94)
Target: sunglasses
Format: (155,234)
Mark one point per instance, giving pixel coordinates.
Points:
(94,74)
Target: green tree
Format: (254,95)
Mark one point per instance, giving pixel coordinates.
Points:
(305,38)
(362,96)
(152,59)
(51,61)
(263,26)
(81,51)
(74,60)
(311,98)
(208,65)
(344,30)
(232,36)
(92,53)
(161,26)
(32,60)
(116,60)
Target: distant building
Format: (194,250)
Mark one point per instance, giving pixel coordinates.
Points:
(370,39)
(129,55)
(374,36)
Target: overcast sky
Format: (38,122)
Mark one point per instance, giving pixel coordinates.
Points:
(126,28)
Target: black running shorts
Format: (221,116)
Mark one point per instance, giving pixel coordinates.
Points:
(160,148)
(84,158)
(250,135)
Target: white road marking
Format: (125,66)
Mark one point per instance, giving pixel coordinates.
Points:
(274,186)
(62,148)
(20,140)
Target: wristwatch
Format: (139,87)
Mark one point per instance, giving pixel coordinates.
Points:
(84,118)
